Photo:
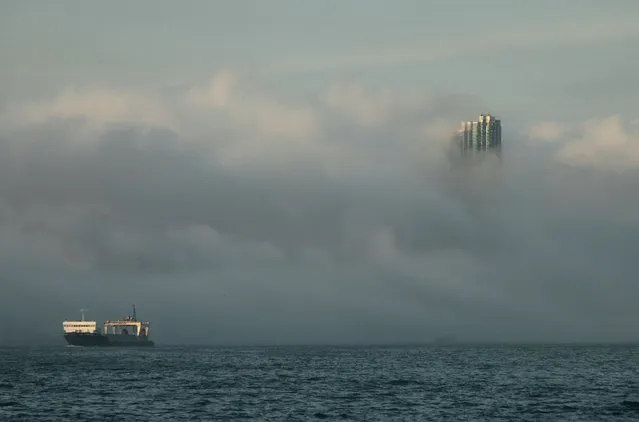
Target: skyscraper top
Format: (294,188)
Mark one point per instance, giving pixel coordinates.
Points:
(482,134)
(487,117)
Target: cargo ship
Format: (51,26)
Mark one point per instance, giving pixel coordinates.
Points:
(124,332)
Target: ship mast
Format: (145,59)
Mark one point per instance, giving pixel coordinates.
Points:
(82,311)
(134,316)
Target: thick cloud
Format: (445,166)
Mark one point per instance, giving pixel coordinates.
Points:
(229,215)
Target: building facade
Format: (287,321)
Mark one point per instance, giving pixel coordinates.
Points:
(481,135)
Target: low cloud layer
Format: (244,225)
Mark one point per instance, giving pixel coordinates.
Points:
(228,214)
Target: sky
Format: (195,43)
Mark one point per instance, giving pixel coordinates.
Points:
(279,172)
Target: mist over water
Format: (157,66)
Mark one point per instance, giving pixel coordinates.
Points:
(229,215)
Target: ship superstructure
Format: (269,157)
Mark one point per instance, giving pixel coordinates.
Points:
(82,326)
(127,331)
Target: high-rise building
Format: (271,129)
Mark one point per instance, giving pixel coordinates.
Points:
(481,135)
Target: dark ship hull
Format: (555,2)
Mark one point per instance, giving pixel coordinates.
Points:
(106,340)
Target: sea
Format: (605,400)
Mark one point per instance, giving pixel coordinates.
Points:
(305,383)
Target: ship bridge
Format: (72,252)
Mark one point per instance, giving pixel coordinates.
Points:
(81,326)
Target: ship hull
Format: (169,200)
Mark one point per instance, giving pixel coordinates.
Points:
(101,340)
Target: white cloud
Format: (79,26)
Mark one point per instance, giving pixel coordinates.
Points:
(605,143)
(217,94)
(252,113)
(368,109)
(262,126)
(240,124)
(546,131)
(243,125)
(99,106)
(224,103)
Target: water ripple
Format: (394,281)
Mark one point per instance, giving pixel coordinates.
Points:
(313,383)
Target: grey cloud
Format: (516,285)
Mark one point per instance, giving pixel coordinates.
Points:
(396,246)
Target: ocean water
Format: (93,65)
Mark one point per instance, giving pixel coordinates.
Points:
(430,383)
